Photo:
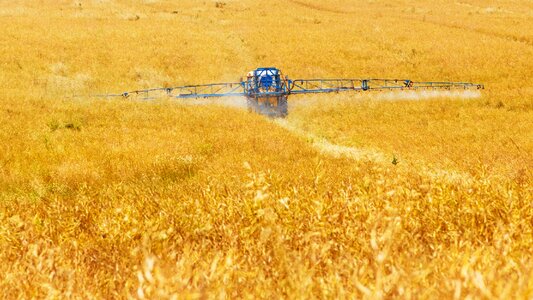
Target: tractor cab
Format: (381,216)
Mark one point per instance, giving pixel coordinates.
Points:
(266,92)
(264,80)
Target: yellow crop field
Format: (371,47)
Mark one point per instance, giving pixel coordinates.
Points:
(411,195)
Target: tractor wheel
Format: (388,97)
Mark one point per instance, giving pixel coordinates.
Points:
(252,106)
(283,107)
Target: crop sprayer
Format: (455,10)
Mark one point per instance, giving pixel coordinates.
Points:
(266,89)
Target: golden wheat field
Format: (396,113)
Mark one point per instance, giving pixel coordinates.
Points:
(170,199)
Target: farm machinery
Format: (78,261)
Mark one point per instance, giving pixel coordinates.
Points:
(266,89)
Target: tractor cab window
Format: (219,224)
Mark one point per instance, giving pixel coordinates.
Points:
(266,81)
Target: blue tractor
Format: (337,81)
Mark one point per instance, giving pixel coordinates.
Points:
(266,92)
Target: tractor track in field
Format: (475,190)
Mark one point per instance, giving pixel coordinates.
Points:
(330,149)
(319,8)
(327,148)
(508,37)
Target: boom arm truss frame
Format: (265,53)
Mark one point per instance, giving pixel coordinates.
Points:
(292,87)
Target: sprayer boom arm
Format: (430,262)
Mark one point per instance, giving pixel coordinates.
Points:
(269,82)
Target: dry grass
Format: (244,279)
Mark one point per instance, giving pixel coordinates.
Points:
(128,199)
